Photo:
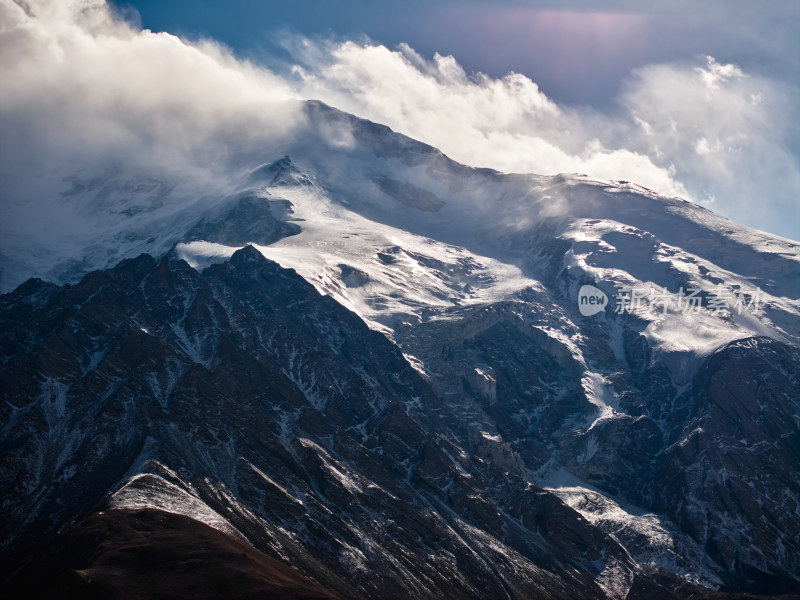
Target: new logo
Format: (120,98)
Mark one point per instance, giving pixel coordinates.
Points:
(591,300)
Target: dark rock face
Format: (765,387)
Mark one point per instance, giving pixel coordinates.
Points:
(250,219)
(280,172)
(730,476)
(242,398)
(409,195)
(525,386)
(719,460)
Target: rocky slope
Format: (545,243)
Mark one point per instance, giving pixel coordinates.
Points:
(245,400)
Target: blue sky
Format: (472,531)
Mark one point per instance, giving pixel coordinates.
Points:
(578,52)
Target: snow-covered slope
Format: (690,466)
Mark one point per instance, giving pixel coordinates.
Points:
(390,226)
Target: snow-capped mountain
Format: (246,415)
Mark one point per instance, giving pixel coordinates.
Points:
(439,417)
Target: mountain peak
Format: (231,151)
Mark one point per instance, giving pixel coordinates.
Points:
(282,172)
(247,255)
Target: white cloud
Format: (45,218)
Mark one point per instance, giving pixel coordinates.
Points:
(85,93)
(715,73)
(728,135)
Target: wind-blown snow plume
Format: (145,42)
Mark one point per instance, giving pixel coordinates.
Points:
(508,123)
(706,132)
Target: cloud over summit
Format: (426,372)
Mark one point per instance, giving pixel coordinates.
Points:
(84,90)
(706,131)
